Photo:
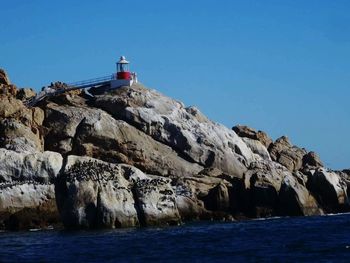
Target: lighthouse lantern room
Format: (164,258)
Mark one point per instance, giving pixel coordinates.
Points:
(123,77)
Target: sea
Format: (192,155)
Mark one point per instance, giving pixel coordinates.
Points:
(294,239)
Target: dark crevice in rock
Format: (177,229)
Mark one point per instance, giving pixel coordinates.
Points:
(61,187)
(78,129)
(324,193)
(140,214)
(210,160)
(287,203)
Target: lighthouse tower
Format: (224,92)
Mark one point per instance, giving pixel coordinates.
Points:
(123,77)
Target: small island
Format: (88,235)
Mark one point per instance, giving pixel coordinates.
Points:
(130,156)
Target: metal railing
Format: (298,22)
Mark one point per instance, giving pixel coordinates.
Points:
(91,81)
(70,86)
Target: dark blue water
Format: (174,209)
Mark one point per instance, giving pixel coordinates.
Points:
(316,239)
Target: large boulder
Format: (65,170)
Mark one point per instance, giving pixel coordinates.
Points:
(9,106)
(186,130)
(20,127)
(91,193)
(38,167)
(61,123)
(295,199)
(27,198)
(15,109)
(16,136)
(262,184)
(203,197)
(27,205)
(283,152)
(329,189)
(218,198)
(96,134)
(311,159)
(257,148)
(155,199)
(247,132)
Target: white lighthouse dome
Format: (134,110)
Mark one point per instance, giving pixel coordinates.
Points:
(123,60)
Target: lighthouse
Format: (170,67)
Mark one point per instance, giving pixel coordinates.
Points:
(123,76)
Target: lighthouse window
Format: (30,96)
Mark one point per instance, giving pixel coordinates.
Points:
(123,67)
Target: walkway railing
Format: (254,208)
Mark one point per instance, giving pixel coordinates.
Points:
(49,92)
(91,82)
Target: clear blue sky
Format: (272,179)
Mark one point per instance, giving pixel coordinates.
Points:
(279,66)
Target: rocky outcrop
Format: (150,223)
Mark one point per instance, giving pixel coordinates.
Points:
(186,130)
(9,106)
(4,79)
(262,184)
(134,157)
(18,137)
(155,200)
(311,159)
(19,126)
(273,190)
(295,199)
(247,132)
(329,189)
(293,157)
(91,193)
(203,197)
(6,88)
(283,152)
(94,133)
(258,148)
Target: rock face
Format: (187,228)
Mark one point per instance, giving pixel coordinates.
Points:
(39,167)
(94,133)
(186,130)
(293,157)
(273,190)
(19,137)
(258,148)
(27,197)
(20,126)
(9,106)
(262,183)
(329,189)
(295,199)
(155,200)
(91,193)
(134,157)
(27,205)
(283,152)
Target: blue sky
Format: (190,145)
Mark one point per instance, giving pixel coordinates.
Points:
(278,66)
